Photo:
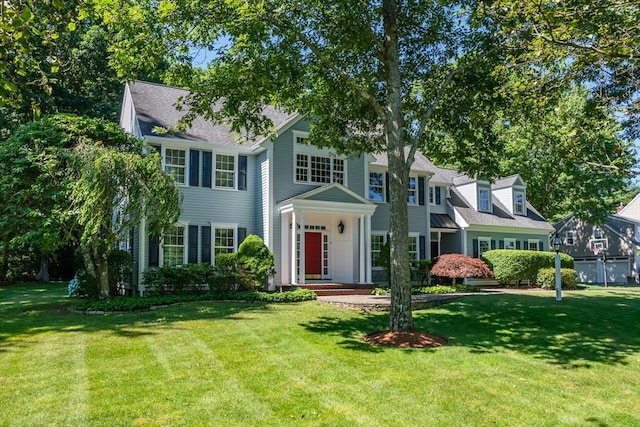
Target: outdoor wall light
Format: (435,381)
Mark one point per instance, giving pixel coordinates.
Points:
(340,227)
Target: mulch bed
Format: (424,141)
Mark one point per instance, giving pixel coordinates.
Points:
(414,339)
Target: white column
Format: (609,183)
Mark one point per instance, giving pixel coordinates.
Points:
(367,249)
(301,279)
(294,231)
(362,275)
(142,253)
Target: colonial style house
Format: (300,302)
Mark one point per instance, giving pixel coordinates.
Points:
(324,216)
(603,251)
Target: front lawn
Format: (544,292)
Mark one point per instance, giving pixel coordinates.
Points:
(512,360)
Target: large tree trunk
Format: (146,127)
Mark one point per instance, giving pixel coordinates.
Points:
(400,318)
(97,266)
(43,274)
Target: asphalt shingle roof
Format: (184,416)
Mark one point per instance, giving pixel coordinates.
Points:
(155,105)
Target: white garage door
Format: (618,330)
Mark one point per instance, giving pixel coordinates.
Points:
(587,271)
(591,271)
(618,270)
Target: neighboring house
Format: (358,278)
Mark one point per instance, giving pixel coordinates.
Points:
(632,209)
(324,216)
(586,243)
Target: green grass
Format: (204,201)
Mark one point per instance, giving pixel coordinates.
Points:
(512,360)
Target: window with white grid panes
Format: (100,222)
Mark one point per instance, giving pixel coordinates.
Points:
(519,203)
(173,246)
(376,186)
(225,171)
(319,169)
(413,248)
(412,193)
(377,242)
(223,240)
(174,164)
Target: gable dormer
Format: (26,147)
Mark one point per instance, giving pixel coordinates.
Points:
(512,193)
(476,192)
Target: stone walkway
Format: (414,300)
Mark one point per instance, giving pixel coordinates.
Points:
(368,303)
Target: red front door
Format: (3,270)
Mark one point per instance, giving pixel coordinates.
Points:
(312,255)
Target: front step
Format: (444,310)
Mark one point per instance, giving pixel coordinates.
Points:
(333,292)
(331,289)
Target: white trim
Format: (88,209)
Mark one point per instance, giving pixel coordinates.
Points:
(511,240)
(235,171)
(185,243)
(483,239)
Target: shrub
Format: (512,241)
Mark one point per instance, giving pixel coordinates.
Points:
(145,303)
(178,279)
(458,266)
(227,278)
(120,266)
(516,265)
(255,263)
(421,270)
(384,258)
(546,278)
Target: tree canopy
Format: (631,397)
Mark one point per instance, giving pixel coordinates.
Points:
(69,174)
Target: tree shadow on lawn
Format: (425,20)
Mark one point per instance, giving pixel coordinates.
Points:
(576,332)
(30,311)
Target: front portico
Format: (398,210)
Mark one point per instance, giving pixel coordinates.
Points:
(326,236)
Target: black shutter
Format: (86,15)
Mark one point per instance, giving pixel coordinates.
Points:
(386,186)
(438,195)
(207,159)
(242,234)
(541,248)
(475,248)
(192,256)
(423,247)
(501,244)
(194,167)
(154,251)
(517,244)
(157,148)
(205,251)
(421,191)
(242,172)
(493,244)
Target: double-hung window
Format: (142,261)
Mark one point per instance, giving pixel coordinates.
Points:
(377,242)
(412,191)
(225,172)
(570,237)
(533,245)
(224,240)
(484,200)
(509,243)
(484,245)
(518,203)
(173,246)
(174,164)
(376,186)
(413,248)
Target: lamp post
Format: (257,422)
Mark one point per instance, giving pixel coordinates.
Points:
(557,245)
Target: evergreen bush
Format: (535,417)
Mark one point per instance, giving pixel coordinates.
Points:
(255,263)
(511,266)
(546,278)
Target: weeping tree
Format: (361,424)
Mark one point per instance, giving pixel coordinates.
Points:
(88,181)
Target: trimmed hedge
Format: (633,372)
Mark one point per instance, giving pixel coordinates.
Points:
(515,265)
(119,304)
(192,278)
(546,278)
